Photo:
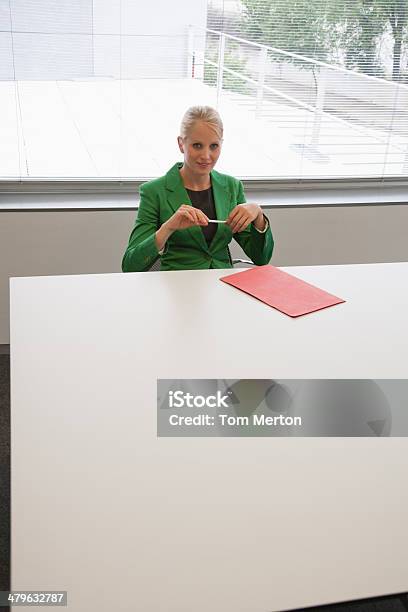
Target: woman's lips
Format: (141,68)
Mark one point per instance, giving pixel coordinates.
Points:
(203,165)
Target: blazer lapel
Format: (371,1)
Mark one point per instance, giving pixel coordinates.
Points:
(176,196)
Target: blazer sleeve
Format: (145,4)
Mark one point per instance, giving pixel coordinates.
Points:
(141,252)
(258,246)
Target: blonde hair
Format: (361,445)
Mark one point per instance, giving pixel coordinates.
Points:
(201,113)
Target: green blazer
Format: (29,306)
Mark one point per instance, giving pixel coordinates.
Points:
(187,249)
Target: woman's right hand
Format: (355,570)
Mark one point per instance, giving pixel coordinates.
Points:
(184,217)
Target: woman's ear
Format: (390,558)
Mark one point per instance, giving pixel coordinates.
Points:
(180,144)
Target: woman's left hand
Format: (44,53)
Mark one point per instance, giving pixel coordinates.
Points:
(244,214)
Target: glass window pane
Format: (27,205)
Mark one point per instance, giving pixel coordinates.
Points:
(306,89)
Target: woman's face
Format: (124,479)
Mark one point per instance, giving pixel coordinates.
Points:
(201,148)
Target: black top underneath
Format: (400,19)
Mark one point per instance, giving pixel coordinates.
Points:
(204,200)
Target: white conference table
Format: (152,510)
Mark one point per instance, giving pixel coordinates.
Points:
(124,520)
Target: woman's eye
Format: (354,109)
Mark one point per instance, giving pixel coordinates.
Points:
(198,145)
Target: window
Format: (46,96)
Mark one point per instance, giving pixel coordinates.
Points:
(308,89)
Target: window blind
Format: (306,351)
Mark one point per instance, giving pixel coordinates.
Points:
(95,89)
(324,82)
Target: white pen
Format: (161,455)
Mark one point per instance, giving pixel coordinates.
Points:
(215,221)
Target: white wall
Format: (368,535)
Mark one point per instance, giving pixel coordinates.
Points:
(69,39)
(52,39)
(153,41)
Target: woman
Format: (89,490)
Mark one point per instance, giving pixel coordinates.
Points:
(177,211)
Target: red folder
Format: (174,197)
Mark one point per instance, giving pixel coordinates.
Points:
(281,290)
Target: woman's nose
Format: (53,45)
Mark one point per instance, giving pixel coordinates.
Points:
(206,153)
